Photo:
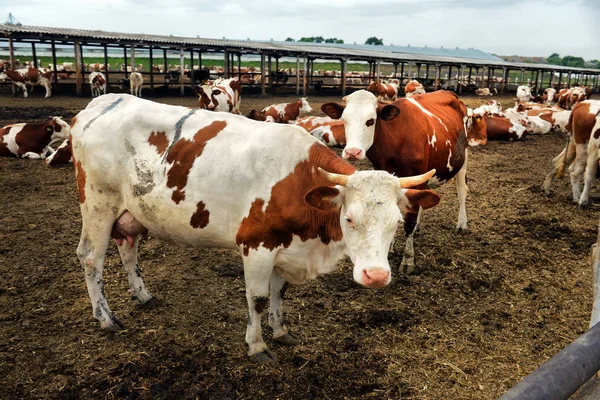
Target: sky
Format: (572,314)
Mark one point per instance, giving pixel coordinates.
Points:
(502,27)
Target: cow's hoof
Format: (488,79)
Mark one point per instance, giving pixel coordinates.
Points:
(265,357)
(461,229)
(408,268)
(150,304)
(584,205)
(289,339)
(112,325)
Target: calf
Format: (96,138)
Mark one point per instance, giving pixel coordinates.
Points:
(412,88)
(32,140)
(286,112)
(174,175)
(384,91)
(30,76)
(329,131)
(406,137)
(136,81)
(97,83)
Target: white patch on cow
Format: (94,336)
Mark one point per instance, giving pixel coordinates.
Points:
(518,129)
(10,138)
(413,101)
(433,139)
(524,93)
(449,166)
(361,106)
(435,182)
(594,106)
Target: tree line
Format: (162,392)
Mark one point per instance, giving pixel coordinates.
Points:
(571,61)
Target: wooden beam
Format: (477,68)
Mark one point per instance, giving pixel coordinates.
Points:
(151,68)
(344,67)
(297,75)
(78,69)
(262,74)
(106,72)
(181,76)
(55,75)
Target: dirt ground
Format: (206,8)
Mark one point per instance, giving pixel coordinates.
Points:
(486,307)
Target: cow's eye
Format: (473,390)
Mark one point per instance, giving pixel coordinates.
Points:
(349,221)
(370,122)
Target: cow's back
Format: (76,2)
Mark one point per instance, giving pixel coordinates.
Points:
(582,120)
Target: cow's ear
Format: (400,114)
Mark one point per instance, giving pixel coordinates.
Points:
(389,112)
(412,199)
(333,110)
(324,198)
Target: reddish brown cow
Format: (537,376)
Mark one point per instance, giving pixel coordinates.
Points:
(502,128)
(384,91)
(329,131)
(30,76)
(32,140)
(407,136)
(284,113)
(412,88)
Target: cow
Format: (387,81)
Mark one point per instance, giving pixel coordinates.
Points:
(501,127)
(485,92)
(581,122)
(549,96)
(286,112)
(557,119)
(233,89)
(412,88)
(30,76)
(524,93)
(136,81)
(258,116)
(476,128)
(215,98)
(568,98)
(410,135)
(32,140)
(60,156)
(491,107)
(97,83)
(329,131)
(285,201)
(384,91)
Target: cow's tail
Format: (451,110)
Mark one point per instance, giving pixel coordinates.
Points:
(559,164)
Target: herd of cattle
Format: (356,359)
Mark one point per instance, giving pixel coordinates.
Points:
(267,185)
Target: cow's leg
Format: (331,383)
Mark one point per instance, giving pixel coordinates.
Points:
(23,87)
(595,259)
(411,223)
(258,268)
(461,186)
(32,155)
(95,236)
(590,172)
(276,320)
(46,83)
(136,284)
(576,170)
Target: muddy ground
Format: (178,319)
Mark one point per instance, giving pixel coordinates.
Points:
(485,309)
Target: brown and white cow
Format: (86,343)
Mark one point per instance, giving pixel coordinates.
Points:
(568,98)
(524,93)
(233,88)
(286,112)
(575,154)
(413,87)
(549,96)
(97,83)
(384,91)
(407,137)
(476,128)
(329,131)
(136,82)
(286,202)
(60,156)
(32,140)
(30,76)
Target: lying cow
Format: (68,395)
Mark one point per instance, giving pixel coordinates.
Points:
(406,137)
(568,98)
(142,165)
(29,76)
(60,156)
(329,131)
(384,91)
(286,112)
(97,83)
(32,140)
(412,88)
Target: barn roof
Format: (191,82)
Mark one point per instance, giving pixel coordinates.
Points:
(392,54)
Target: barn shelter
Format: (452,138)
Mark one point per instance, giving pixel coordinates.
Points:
(435,67)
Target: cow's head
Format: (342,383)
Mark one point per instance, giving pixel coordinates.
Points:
(305,108)
(549,95)
(476,128)
(359,116)
(372,204)
(205,97)
(59,128)
(524,93)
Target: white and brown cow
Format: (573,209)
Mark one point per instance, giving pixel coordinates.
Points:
(410,135)
(413,87)
(60,156)
(29,76)
(328,130)
(232,87)
(524,93)
(568,98)
(97,83)
(32,140)
(549,96)
(285,201)
(136,82)
(286,112)
(384,91)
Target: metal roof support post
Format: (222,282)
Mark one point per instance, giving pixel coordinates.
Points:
(78,68)
(239,57)
(470,72)
(165,65)
(343,61)
(559,80)
(438,72)
(262,74)
(418,70)
(181,66)
(304,78)
(449,76)
(426,73)
(270,75)
(297,75)
(401,72)
(409,71)
(35,63)
(55,75)
(504,79)
(537,82)
(483,76)
(551,81)
(522,76)
(225,64)
(151,68)
(125,62)
(569,79)
(11,50)
(395,70)
(378,77)
(132,57)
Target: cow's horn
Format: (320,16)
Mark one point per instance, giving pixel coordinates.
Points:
(411,181)
(338,179)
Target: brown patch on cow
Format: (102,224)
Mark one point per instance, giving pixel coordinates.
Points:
(31,138)
(326,137)
(160,141)
(80,174)
(287,214)
(581,122)
(62,155)
(183,154)
(547,117)
(200,217)
(291,111)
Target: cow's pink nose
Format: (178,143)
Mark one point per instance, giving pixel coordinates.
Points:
(352,153)
(375,277)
